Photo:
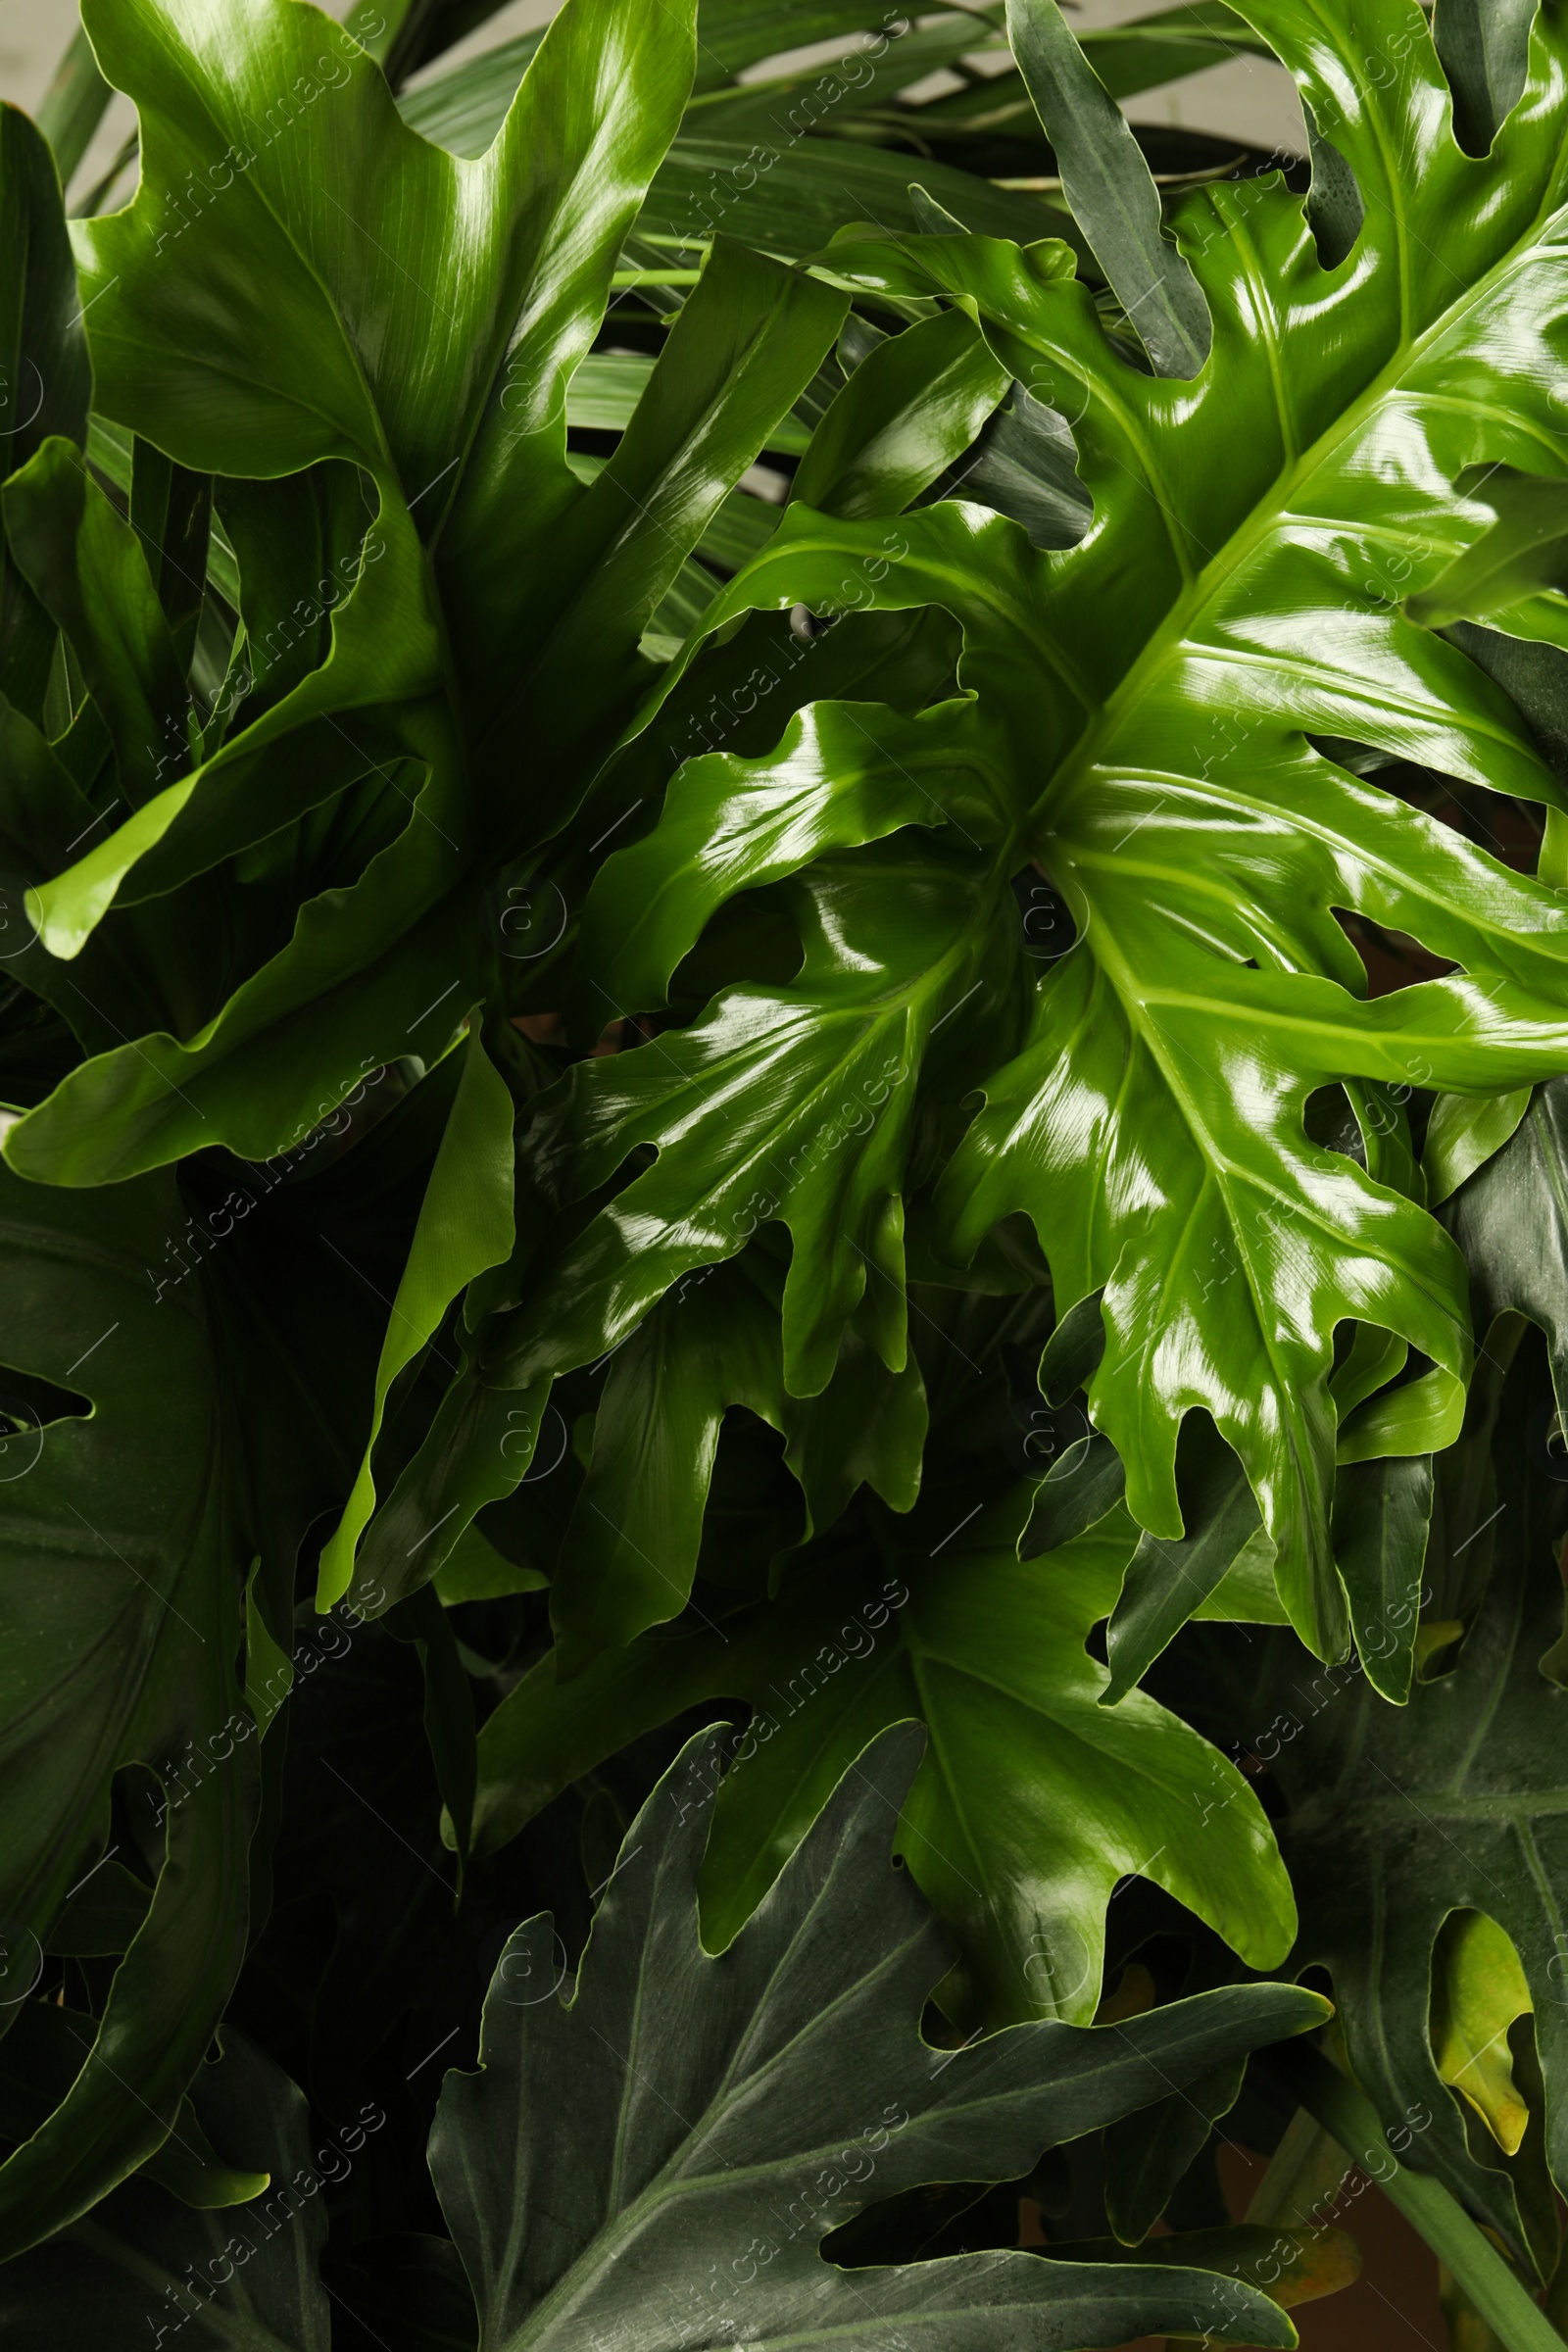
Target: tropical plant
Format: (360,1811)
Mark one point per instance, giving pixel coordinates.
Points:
(827,802)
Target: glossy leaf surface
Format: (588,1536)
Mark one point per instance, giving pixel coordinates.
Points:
(332,342)
(1078,1794)
(1080,887)
(1254,530)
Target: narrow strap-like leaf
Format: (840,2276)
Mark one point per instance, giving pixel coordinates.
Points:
(465,1225)
(1111,189)
(1381,1518)
(45,381)
(1166,1581)
(74,105)
(1485,49)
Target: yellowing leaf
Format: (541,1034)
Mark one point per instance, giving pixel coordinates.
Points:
(1478,1990)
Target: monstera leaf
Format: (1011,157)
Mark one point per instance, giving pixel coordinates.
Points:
(665,2151)
(1149,720)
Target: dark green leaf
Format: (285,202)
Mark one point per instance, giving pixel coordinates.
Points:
(908,410)
(1334,205)
(1484,48)
(630,1549)
(1074,1496)
(1146,2155)
(45,381)
(170,513)
(1071,1356)
(1399,1816)
(1381,1512)
(1111,189)
(1024,464)
(672,2145)
(195,1329)
(465,1226)
(1166,1581)
(1023,1878)
(238,2281)
(448,1718)
(1511,1221)
(1489,2287)
(121,1587)
(89,570)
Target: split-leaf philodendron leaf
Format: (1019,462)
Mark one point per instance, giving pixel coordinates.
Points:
(1139,717)
(145,2268)
(663,2152)
(303,282)
(1033,1800)
(775,930)
(1402,1820)
(158,1345)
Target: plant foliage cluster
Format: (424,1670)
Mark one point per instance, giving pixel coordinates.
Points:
(783,840)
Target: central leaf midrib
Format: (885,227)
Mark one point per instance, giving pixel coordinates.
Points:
(1219,1161)
(581,2277)
(243,2330)
(1217,1169)
(1166,645)
(1167,639)
(314,273)
(888,1005)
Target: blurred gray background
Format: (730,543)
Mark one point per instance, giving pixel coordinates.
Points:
(1246,98)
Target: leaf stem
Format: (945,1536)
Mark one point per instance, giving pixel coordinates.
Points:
(1500,2298)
